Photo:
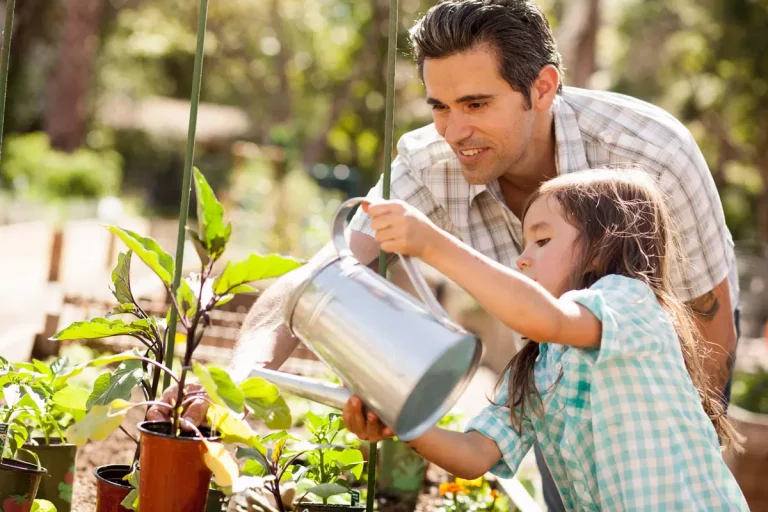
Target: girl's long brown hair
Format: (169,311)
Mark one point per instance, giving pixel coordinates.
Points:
(625,229)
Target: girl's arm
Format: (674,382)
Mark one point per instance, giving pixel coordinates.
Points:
(518,301)
(466,455)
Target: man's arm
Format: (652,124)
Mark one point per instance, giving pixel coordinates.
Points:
(714,316)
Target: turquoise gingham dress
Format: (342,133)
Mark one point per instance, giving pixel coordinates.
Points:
(624,428)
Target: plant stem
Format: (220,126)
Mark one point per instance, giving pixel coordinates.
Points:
(5,61)
(187,180)
(129,435)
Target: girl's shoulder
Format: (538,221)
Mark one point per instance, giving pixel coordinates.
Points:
(630,314)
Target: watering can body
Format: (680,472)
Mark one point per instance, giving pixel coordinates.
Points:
(407,360)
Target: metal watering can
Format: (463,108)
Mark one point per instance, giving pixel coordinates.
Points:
(407,361)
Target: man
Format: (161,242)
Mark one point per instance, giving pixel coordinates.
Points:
(504,124)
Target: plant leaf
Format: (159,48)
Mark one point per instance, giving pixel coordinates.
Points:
(101,328)
(42,506)
(202,253)
(255,268)
(220,388)
(121,279)
(118,384)
(99,423)
(186,298)
(221,463)
(99,361)
(264,399)
(230,427)
(71,398)
(149,251)
(42,368)
(325,491)
(257,455)
(122,309)
(351,460)
(210,217)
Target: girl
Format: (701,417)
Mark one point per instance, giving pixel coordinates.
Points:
(611,382)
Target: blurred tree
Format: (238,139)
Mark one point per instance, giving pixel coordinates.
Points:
(577,40)
(706,61)
(66,115)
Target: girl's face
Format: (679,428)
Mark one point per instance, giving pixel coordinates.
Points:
(551,251)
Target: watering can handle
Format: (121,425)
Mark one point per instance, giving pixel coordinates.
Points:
(414,274)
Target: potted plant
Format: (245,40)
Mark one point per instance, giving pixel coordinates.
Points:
(317,467)
(39,405)
(176,463)
(749,413)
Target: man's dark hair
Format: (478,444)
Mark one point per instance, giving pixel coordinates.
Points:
(516,30)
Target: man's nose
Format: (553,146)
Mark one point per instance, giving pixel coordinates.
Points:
(457,129)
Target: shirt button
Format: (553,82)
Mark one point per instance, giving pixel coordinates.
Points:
(607,138)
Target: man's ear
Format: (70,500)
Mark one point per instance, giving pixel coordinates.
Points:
(545,88)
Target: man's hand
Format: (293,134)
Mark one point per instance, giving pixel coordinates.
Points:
(194,411)
(365,426)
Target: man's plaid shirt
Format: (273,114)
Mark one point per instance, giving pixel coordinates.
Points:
(592,128)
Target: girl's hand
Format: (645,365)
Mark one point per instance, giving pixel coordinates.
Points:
(400,227)
(365,426)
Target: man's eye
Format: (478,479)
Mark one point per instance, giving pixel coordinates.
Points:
(438,108)
(477,105)
(542,242)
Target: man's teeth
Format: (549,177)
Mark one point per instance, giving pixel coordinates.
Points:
(471,152)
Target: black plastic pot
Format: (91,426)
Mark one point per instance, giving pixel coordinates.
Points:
(59,460)
(319,507)
(111,489)
(19,481)
(217,501)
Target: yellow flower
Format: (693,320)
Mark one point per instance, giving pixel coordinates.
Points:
(478,482)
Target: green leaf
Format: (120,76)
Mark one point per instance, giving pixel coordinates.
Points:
(71,398)
(12,394)
(122,309)
(118,384)
(256,457)
(264,399)
(101,328)
(325,491)
(131,500)
(210,217)
(42,368)
(99,423)
(99,361)
(202,253)
(219,386)
(42,506)
(186,298)
(121,279)
(255,268)
(231,427)
(350,460)
(149,251)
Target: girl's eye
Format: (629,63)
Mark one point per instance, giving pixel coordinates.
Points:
(542,242)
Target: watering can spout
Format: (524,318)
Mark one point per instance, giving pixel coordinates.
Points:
(315,390)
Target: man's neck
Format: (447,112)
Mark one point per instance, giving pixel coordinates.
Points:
(535,167)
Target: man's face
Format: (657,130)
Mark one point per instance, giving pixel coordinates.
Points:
(485,121)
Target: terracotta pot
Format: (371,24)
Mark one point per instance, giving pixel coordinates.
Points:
(59,460)
(173,476)
(111,489)
(749,468)
(19,481)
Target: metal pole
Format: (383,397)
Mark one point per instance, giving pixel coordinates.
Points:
(389,109)
(5,61)
(187,181)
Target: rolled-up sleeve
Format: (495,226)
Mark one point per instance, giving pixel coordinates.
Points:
(495,423)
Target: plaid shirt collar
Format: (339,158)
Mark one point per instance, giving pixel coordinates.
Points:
(569,149)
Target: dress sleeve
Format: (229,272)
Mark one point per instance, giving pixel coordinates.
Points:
(495,423)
